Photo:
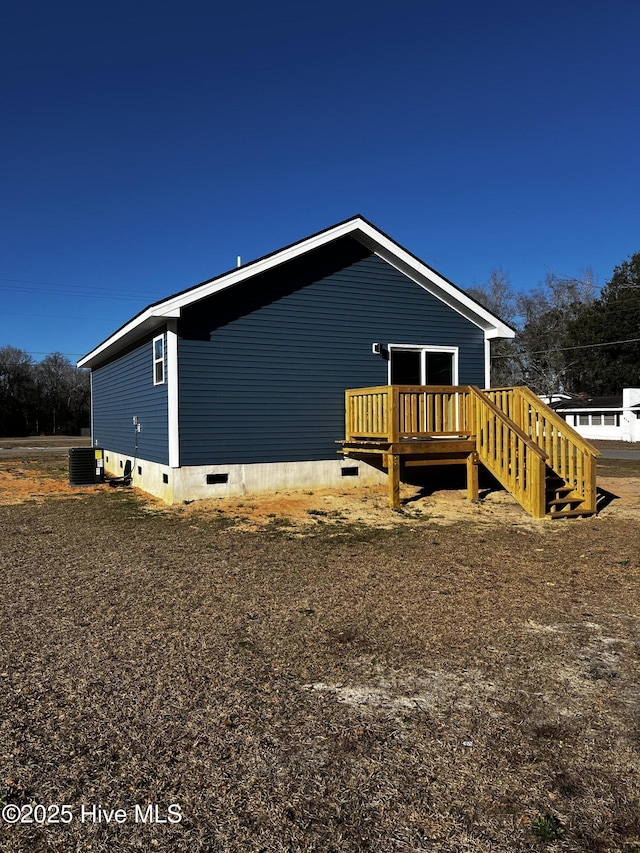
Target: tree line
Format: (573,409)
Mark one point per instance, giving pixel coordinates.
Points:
(51,397)
(569,337)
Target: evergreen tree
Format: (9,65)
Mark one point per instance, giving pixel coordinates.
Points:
(615,317)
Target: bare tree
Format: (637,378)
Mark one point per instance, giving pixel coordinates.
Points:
(52,396)
(539,354)
(545,315)
(498,296)
(64,393)
(17,392)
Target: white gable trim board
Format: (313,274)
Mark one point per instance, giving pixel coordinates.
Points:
(157,314)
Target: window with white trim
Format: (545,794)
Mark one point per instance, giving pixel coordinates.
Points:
(422,365)
(158,360)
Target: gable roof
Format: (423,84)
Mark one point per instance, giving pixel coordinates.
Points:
(156,315)
(592,404)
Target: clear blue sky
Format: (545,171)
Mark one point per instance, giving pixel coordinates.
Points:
(147,144)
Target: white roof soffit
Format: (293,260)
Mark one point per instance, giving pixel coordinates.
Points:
(156,315)
(147,321)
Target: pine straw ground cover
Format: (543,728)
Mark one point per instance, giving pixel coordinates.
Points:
(458,687)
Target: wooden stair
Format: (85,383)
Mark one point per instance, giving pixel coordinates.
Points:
(560,502)
(570,463)
(543,462)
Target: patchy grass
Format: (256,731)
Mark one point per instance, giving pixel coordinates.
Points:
(548,828)
(332,686)
(619,468)
(44,442)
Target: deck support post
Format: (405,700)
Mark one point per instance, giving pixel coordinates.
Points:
(393,467)
(473,490)
(537,507)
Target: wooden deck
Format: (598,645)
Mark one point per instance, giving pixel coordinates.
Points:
(545,464)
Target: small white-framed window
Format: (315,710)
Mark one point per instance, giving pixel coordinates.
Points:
(158,360)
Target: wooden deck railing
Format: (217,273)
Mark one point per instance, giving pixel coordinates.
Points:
(395,412)
(570,455)
(508,453)
(368,412)
(517,436)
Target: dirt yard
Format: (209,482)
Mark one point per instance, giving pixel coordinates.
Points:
(312,672)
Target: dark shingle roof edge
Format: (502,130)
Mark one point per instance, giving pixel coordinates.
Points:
(236,275)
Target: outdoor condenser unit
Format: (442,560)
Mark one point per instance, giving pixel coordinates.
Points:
(86,466)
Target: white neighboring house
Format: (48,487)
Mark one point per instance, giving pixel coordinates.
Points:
(605,418)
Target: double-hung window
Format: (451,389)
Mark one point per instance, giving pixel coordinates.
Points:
(158,360)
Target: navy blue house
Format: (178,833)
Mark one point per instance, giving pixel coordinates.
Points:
(237,384)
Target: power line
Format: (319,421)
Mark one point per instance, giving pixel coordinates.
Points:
(590,346)
(613,309)
(51,316)
(36,352)
(76,294)
(55,289)
(37,281)
(581,346)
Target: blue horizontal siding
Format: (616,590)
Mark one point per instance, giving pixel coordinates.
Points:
(263,370)
(124,388)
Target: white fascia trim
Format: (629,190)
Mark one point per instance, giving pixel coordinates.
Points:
(173,306)
(439,287)
(172,394)
(150,320)
(237,276)
(367,234)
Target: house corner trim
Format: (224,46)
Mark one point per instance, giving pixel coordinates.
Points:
(172,395)
(487,363)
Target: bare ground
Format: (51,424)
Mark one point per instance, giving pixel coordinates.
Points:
(313,672)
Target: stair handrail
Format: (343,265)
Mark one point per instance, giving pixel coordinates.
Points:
(571,456)
(511,424)
(519,467)
(559,422)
